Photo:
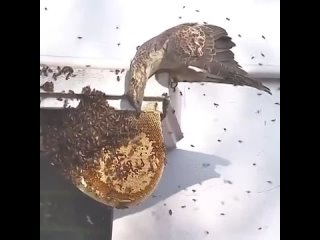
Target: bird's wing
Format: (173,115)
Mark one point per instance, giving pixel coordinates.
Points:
(199,45)
(208,47)
(152,52)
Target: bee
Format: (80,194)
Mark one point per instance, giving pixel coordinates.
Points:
(227,181)
(47,86)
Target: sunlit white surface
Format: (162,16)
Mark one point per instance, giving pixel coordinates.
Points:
(208,167)
(137,21)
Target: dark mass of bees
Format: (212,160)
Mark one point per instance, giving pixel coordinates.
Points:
(114,156)
(79,132)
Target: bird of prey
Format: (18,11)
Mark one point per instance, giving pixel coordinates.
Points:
(180,49)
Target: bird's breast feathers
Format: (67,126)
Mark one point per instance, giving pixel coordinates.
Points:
(155,59)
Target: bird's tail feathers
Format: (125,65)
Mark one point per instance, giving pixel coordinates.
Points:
(238,80)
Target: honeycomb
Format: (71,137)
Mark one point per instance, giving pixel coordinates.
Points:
(128,174)
(116,157)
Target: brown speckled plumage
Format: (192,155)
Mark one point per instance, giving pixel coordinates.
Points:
(203,46)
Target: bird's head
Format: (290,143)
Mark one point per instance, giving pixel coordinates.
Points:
(137,84)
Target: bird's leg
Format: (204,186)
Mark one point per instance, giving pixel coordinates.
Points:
(165,105)
(173,83)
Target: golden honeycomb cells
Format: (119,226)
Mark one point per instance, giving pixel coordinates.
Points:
(128,174)
(116,157)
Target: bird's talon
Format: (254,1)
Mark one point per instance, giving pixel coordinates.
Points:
(165,106)
(173,85)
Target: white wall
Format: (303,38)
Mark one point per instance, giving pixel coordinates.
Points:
(139,20)
(202,125)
